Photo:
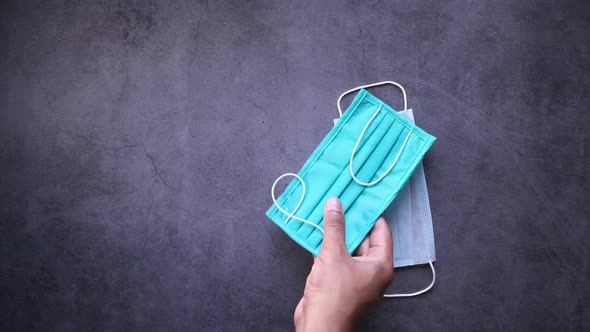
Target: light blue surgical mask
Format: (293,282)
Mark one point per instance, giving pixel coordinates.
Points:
(409,217)
(410,221)
(365,160)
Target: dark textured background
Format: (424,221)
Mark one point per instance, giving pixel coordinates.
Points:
(139,141)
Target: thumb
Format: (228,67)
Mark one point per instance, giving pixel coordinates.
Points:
(334,243)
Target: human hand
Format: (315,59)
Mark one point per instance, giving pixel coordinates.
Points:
(340,287)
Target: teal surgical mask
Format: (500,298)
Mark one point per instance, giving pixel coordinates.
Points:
(365,160)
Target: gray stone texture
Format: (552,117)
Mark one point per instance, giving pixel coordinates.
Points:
(139,141)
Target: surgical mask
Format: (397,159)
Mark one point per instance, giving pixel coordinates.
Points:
(409,218)
(410,221)
(365,160)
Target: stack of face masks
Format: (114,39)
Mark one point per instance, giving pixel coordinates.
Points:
(370,158)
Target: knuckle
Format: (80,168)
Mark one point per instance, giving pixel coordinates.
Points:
(334,218)
(384,272)
(314,278)
(388,273)
(313,282)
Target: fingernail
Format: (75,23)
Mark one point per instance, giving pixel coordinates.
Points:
(334,204)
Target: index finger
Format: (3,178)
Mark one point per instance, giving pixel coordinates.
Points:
(380,240)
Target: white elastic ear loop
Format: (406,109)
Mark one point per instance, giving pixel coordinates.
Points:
(358,141)
(292,214)
(419,292)
(372,85)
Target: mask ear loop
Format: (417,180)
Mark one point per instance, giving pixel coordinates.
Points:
(291,215)
(358,141)
(370,86)
(418,292)
(372,183)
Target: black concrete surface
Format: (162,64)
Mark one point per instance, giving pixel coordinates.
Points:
(139,141)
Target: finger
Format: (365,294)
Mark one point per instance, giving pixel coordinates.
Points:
(334,243)
(380,240)
(363,248)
